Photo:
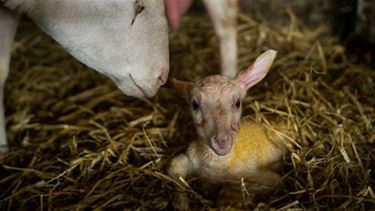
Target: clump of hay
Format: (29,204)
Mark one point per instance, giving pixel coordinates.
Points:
(78,143)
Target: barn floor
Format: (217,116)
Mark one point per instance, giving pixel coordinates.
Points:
(77,143)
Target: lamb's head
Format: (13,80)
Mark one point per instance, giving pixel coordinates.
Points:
(216,102)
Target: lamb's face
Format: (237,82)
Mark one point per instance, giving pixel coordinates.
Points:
(216,110)
(216,102)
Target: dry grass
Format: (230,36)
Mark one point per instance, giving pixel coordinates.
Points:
(78,143)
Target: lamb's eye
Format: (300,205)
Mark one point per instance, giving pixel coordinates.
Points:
(194,105)
(238,103)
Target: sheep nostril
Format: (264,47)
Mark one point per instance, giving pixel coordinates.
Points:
(163,77)
(161,81)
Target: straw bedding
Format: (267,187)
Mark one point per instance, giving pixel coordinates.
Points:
(78,142)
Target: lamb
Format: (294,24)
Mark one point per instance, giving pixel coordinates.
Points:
(226,152)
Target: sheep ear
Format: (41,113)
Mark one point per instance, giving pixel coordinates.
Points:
(182,87)
(257,71)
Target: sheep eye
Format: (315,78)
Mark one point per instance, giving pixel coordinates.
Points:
(238,103)
(194,105)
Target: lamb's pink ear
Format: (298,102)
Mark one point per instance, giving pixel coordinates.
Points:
(182,87)
(257,71)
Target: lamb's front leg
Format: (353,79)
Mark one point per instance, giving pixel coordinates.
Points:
(8,26)
(180,167)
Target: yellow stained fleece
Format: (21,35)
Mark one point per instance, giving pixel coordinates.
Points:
(255,143)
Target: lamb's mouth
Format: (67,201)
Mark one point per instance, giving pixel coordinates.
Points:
(221,147)
(139,87)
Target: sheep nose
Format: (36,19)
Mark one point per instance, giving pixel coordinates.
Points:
(163,77)
(222,141)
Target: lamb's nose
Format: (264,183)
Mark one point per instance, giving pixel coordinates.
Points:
(163,77)
(221,141)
